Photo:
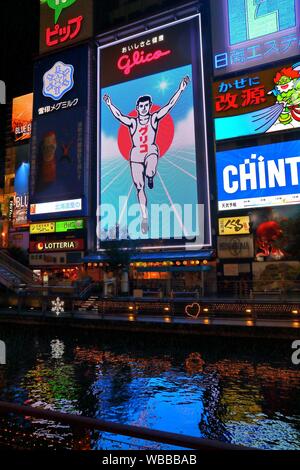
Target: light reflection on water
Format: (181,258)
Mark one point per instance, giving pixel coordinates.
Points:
(233,391)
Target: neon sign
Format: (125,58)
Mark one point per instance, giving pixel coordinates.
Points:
(250,19)
(267,101)
(61,34)
(57,245)
(248,33)
(126,64)
(260,176)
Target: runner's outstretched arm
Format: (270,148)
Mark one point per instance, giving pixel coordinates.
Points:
(117,113)
(166,109)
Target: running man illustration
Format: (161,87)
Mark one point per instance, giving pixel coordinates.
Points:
(144,153)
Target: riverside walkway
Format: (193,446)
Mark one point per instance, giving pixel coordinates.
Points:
(204,324)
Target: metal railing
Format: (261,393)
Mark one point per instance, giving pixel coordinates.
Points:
(277,289)
(80,422)
(19,270)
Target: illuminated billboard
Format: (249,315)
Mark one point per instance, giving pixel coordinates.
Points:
(22,117)
(73,205)
(56,245)
(249,33)
(58,160)
(259,176)
(234,225)
(256,103)
(64,22)
(21,186)
(56,227)
(151,98)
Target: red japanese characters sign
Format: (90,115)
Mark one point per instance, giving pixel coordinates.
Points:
(256,103)
(64,22)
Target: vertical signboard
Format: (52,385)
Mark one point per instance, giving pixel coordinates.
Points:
(151,99)
(249,33)
(22,117)
(58,142)
(21,186)
(64,22)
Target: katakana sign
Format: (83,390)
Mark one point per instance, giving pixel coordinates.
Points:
(64,22)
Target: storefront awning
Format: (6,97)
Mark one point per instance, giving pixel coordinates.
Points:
(157,256)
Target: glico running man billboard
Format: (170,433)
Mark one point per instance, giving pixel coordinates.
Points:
(153,179)
(58,160)
(261,176)
(249,33)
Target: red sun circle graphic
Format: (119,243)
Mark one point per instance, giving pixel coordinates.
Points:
(164,137)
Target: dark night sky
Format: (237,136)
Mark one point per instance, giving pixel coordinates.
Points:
(19,33)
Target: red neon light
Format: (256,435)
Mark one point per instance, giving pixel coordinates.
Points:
(65,33)
(126,64)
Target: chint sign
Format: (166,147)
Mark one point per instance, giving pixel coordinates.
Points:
(64,22)
(248,33)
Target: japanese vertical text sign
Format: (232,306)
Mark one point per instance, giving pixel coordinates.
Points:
(260,102)
(248,33)
(262,176)
(58,160)
(151,160)
(64,22)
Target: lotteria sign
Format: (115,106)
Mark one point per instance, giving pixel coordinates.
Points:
(57,245)
(259,176)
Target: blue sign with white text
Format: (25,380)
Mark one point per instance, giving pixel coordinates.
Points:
(260,176)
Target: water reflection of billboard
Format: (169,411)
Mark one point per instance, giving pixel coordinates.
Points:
(261,102)
(150,155)
(259,176)
(57,147)
(249,33)
(22,116)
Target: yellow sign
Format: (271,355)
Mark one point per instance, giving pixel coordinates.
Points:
(37,229)
(234,225)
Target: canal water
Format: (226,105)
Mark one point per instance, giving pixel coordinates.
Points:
(239,391)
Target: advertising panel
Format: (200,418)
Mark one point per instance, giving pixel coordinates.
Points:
(64,22)
(151,99)
(56,227)
(19,240)
(42,228)
(21,186)
(59,128)
(249,33)
(235,247)
(256,103)
(276,232)
(234,225)
(57,245)
(259,176)
(22,117)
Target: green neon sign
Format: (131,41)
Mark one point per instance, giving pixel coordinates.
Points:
(58,6)
(67,225)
